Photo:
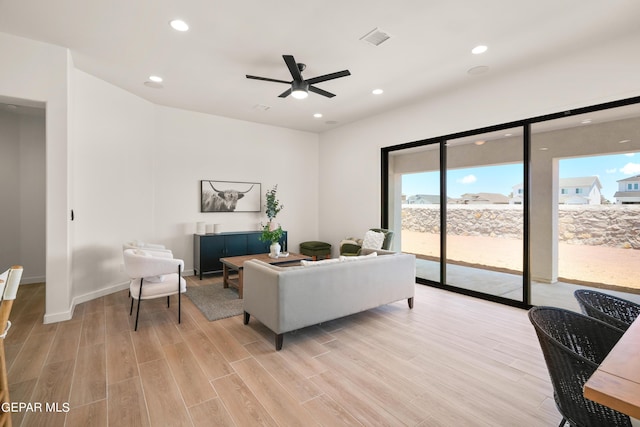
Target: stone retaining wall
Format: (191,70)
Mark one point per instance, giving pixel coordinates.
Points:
(603,225)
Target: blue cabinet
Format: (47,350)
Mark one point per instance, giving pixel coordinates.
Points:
(209,248)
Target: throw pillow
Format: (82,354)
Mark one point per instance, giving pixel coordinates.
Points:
(306,263)
(373,240)
(356,258)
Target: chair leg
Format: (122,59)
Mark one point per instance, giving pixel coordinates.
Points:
(179,295)
(168,303)
(138,310)
(131,309)
(563,422)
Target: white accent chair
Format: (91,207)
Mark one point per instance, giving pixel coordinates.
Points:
(9,281)
(138,244)
(153,275)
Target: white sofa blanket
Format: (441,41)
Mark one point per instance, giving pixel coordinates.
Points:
(289,298)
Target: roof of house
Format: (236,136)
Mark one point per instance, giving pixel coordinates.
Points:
(494,198)
(632,178)
(580,181)
(424,199)
(620,194)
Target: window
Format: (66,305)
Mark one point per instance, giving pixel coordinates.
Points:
(635,186)
(564,191)
(629,186)
(578,190)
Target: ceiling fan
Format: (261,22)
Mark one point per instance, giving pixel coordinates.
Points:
(299,87)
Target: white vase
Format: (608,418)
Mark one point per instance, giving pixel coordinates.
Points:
(275,250)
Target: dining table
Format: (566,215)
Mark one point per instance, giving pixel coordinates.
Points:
(616,382)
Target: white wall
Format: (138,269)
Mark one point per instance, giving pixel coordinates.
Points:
(350,155)
(38,72)
(131,169)
(9,190)
(32,188)
(137,171)
(190,147)
(113,135)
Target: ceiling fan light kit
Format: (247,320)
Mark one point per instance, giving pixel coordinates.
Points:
(299,90)
(300,87)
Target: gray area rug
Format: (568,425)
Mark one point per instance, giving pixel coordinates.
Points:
(216,302)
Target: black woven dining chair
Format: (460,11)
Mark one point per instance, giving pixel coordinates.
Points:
(574,345)
(614,310)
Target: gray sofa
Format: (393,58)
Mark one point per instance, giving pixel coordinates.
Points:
(289,298)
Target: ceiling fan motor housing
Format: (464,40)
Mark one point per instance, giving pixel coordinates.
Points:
(299,85)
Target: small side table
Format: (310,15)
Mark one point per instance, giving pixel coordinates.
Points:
(315,249)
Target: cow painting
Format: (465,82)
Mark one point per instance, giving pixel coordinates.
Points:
(220,196)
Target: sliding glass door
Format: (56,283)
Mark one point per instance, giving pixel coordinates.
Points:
(586,227)
(458,206)
(420,219)
(524,213)
(484,212)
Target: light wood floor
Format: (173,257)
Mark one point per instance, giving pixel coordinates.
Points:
(451,361)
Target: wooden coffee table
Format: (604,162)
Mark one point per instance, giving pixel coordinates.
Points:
(237,263)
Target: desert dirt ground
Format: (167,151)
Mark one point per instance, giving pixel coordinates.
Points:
(577,263)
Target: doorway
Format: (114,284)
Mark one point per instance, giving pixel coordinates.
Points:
(23,188)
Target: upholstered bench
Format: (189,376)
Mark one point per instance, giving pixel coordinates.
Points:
(315,249)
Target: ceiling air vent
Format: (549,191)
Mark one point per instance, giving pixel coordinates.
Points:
(376,37)
(261,107)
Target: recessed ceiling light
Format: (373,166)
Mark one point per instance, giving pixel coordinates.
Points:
(156,79)
(317,115)
(377,91)
(480,69)
(508,134)
(179,25)
(479,49)
(153,85)
(543,148)
(480,142)
(624,141)
(586,121)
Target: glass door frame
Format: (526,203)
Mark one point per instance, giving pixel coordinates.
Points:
(525,125)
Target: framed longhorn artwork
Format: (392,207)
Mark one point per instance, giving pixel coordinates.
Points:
(229,196)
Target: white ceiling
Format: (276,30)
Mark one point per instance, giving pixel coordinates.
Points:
(125,41)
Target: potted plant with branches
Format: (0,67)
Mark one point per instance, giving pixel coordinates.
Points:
(271,232)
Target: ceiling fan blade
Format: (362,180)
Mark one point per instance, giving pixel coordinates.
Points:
(285,93)
(293,67)
(266,79)
(321,92)
(336,75)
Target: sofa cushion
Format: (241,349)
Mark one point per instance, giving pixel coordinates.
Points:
(356,258)
(373,240)
(306,263)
